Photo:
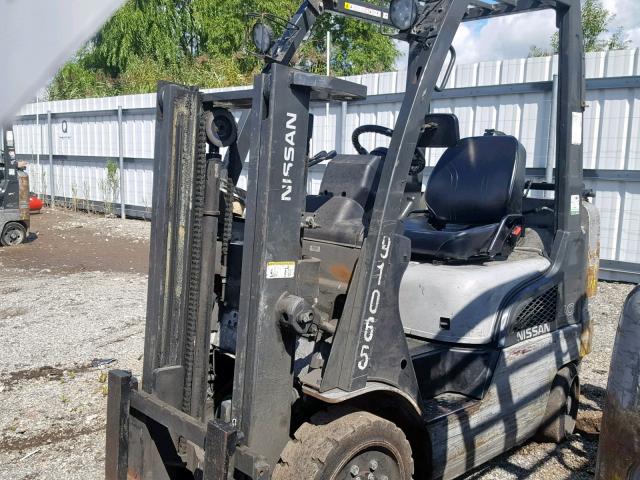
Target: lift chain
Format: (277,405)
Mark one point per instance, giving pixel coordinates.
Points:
(195,263)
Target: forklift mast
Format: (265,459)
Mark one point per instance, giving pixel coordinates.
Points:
(209,267)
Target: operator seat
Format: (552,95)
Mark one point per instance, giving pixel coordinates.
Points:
(474,201)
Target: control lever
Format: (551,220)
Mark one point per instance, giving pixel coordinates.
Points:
(539,210)
(321,157)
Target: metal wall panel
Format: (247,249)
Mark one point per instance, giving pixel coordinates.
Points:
(85,134)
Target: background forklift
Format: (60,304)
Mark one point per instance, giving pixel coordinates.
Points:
(370,331)
(14,195)
(619,446)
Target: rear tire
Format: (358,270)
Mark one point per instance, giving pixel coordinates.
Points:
(562,408)
(13,234)
(346,444)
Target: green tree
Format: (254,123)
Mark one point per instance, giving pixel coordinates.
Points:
(75,80)
(596,22)
(204,42)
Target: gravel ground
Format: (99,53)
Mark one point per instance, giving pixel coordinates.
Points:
(110,227)
(62,327)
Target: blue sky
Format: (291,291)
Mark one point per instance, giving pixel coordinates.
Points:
(512,36)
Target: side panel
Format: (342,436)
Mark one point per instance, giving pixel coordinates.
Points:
(460,303)
(8,215)
(10,194)
(512,409)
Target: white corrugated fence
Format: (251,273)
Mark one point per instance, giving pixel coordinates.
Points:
(513,96)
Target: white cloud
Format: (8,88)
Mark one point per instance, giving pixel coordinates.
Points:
(504,37)
(627,14)
(500,38)
(512,36)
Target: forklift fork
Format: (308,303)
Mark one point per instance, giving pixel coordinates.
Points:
(218,439)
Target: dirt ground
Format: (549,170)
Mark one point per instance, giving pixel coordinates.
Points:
(72,306)
(65,242)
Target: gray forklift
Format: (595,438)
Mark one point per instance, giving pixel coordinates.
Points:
(373,330)
(14,195)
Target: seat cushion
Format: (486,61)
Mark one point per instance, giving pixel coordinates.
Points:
(453,242)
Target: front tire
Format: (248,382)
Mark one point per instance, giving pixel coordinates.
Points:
(13,234)
(562,408)
(346,444)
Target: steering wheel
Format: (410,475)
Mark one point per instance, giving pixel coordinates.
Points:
(417,163)
(355,136)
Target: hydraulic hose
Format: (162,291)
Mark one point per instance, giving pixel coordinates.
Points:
(388,132)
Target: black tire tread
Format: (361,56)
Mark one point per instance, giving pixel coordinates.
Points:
(306,454)
(9,225)
(552,429)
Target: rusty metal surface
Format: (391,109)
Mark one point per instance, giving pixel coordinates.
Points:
(23,197)
(592,218)
(117,437)
(174,419)
(220,445)
(619,451)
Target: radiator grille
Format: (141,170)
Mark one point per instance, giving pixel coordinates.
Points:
(540,310)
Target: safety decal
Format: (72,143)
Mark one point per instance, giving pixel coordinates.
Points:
(576,128)
(372,12)
(281,269)
(575,204)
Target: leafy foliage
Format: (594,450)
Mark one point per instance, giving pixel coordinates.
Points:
(75,80)
(596,20)
(203,42)
(110,186)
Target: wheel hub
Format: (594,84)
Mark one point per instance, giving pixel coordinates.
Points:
(370,465)
(13,236)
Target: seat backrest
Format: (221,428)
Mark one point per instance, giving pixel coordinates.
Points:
(478,181)
(441,130)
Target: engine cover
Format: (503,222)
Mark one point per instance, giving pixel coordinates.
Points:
(459,303)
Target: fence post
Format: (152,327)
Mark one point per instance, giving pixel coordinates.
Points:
(553,123)
(121,158)
(38,146)
(52,192)
(343,120)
